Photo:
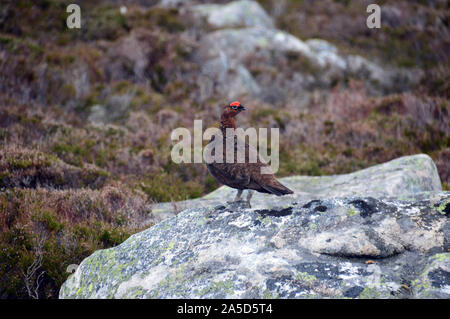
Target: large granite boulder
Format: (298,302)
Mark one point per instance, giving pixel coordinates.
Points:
(383,232)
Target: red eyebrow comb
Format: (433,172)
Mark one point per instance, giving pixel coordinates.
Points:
(235,103)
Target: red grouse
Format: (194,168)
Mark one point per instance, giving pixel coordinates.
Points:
(239,174)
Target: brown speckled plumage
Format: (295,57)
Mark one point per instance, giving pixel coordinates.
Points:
(242,175)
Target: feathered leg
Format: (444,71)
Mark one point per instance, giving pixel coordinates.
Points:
(249,196)
(237,199)
(238,195)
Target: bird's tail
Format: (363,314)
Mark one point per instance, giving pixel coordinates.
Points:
(277,188)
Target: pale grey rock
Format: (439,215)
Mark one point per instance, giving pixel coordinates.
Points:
(236,14)
(391,244)
(280,252)
(234,45)
(116,108)
(98,114)
(245,42)
(434,281)
(128,57)
(358,65)
(327,54)
(240,83)
(223,54)
(169,4)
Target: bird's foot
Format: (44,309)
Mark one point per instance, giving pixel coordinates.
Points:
(235,201)
(239,204)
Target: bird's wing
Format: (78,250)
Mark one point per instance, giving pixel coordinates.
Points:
(264,179)
(244,171)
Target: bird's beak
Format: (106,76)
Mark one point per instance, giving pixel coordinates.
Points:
(241,108)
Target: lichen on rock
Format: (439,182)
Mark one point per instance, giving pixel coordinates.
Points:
(300,247)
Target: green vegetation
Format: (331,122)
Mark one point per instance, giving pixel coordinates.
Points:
(61,227)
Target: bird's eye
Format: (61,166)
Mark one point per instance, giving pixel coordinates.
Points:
(234,107)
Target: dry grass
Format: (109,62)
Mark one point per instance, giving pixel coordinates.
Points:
(75,224)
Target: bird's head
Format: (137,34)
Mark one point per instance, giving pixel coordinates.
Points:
(232,109)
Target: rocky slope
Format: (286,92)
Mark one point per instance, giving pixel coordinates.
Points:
(245,71)
(382,232)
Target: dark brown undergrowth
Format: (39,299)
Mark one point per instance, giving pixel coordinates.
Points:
(44,231)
